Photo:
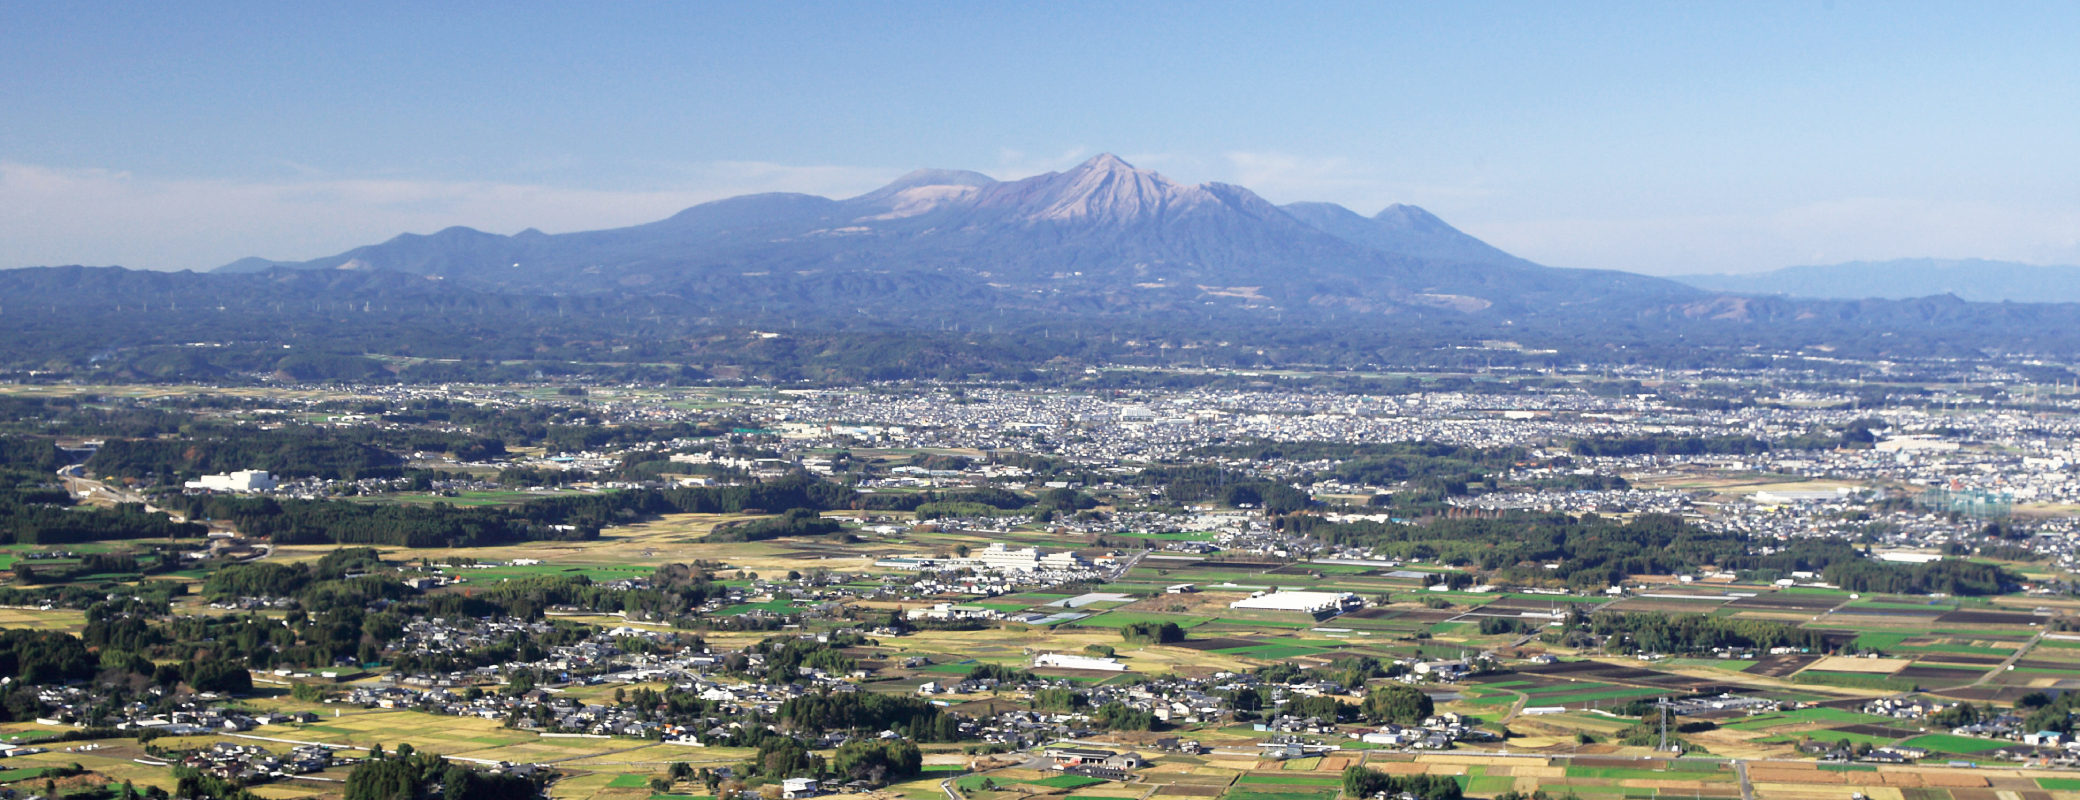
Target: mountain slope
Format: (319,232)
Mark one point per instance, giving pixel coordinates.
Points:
(1402,230)
(1972,279)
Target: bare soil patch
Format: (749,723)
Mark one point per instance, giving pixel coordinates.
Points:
(1217,643)
(1988,618)
(1781,666)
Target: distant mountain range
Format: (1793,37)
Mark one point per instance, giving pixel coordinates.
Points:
(1103,235)
(1973,279)
(948,273)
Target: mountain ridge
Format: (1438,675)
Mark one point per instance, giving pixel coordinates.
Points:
(1103,233)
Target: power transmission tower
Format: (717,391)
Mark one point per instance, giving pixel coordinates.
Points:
(1662,705)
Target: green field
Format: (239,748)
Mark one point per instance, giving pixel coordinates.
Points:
(1273,653)
(1947,743)
(1840,736)
(1591,697)
(1873,640)
(1956,648)
(1067,782)
(1285,781)
(12,775)
(1121,619)
(1258,623)
(774,606)
(1238,794)
(1824,715)
(1853,680)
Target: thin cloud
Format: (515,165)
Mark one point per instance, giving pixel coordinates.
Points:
(1286,178)
(94,216)
(1869,229)
(1015,164)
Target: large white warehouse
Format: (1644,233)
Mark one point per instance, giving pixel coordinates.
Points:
(1067,661)
(1308,602)
(248,480)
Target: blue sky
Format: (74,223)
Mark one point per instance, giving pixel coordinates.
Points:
(1661,138)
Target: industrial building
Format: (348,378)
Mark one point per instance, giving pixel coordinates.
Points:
(248,480)
(1306,602)
(1067,661)
(998,557)
(994,558)
(950,611)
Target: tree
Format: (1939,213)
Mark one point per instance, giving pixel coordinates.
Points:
(1360,782)
(1152,633)
(1327,709)
(218,676)
(878,761)
(1119,717)
(419,776)
(1399,704)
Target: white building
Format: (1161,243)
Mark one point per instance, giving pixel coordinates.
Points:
(1307,602)
(949,611)
(1447,668)
(994,558)
(249,480)
(1915,442)
(1066,661)
(998,557)
(1787,497)
(793,788)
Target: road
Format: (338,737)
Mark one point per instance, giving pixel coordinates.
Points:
(1131,563)
(91,491)
(2010,663)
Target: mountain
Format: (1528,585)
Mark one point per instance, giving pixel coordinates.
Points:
(1104,235)
(945,274)
(1402,230)
(1972,279)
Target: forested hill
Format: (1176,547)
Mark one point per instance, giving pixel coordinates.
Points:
(107,324)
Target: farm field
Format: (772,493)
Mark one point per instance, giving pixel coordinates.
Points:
(1579,713)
